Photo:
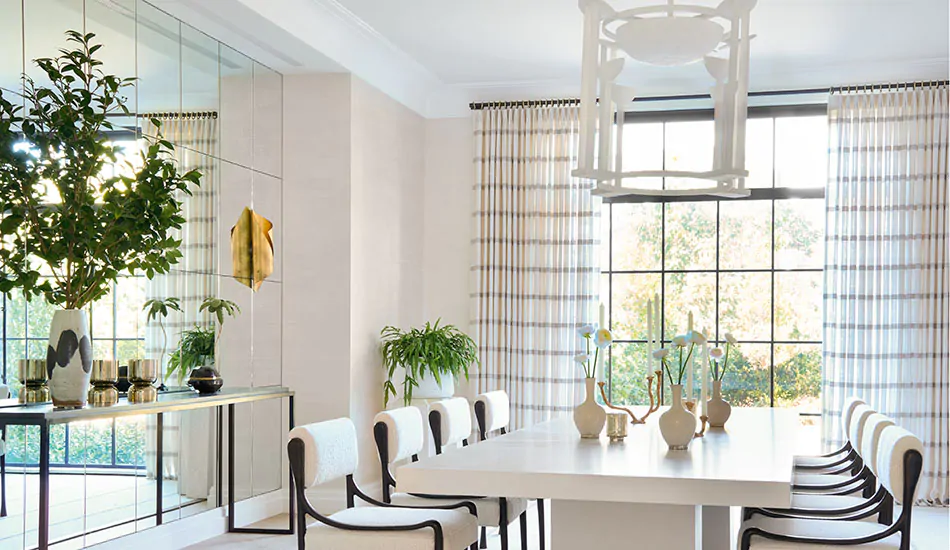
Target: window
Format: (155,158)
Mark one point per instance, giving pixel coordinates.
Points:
(751,267)
(118,333)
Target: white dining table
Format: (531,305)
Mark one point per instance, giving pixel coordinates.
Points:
(634,491)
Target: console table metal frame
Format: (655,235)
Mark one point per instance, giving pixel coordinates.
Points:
(45,415)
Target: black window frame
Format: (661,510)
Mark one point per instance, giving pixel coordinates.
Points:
(757,194)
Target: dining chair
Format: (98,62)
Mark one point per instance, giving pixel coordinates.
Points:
(899,463)
(450,422)
(843,507)
(493,414)
(843,456)
(399,435)
(848,479)
(4,394)
(327,451)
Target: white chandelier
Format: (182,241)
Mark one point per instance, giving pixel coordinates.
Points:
(665,35)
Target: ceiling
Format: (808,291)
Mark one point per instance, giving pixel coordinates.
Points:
(436,55)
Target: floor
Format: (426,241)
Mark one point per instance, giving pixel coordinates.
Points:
(108,504)
(931,529)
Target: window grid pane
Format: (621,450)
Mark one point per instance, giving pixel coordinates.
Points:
(742,266)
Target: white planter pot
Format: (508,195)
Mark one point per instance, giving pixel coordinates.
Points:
(69,358)
(677,425)
(427,389)
(589,416)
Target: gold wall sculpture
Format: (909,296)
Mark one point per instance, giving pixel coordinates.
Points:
(252,249)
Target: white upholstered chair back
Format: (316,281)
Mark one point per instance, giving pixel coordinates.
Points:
(4,391)
(895,443)
(456,423)
(856,427)
(849,405)
(871,438)
(330,450)
(497,409)
(405,431)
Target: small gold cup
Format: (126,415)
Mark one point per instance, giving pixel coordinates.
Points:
(616,426)
(33,375)
(104,375)
(142,394)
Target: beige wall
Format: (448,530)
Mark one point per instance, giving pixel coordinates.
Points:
(354,165)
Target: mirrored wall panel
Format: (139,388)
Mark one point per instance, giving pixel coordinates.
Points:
(222,111)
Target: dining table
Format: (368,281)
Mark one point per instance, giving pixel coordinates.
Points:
(635,492)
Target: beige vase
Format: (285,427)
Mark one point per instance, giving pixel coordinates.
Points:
(717,409)
(589,416)
(677,425)
(69,358)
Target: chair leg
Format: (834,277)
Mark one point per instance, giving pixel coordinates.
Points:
(474,546)
(503,522)
(541,523)
(524,530)
(3,486)
(484,543)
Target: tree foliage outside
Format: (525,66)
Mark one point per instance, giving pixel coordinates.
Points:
(671,249)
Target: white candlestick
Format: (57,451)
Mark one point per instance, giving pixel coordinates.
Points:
(650,346)
(704,395)
(603,317)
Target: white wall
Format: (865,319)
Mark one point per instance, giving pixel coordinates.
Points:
(353,244)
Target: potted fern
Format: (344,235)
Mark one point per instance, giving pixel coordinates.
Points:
(197,349)
(76,217)
(426,361)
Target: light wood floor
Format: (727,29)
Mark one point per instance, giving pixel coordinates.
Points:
(931,529)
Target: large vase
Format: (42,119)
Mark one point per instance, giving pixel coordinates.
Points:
(589,416)
(677,425)
(69,358)
(717,409)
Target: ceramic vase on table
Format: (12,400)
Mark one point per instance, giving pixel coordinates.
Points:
(590,417)
(69,358)
(717,409)
(677,425)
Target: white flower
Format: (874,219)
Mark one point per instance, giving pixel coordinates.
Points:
(661,353)
(586,330)
(603,338)
(717,353)
(582,358)
(680,341)
(696,337)
(730,338)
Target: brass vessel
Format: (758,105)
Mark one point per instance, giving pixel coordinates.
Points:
(104,375)
(34,376)
(142,374)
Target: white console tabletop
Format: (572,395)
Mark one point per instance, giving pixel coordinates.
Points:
(621,490)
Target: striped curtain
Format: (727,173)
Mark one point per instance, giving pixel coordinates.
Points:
(534,267)
(195,136)
(886,268)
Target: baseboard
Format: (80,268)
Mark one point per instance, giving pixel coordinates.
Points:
(200,527)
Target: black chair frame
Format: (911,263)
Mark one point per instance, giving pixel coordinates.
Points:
(863,481)
(295,451)
(482,436)
(913,464)
(435,425)
(882,504)
(850,455)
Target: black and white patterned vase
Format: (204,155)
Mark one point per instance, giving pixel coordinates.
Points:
(69,358)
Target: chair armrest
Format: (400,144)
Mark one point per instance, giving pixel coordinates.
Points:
(746,538)
(370,500)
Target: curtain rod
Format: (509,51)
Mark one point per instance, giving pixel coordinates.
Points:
(766,93)
(186,114)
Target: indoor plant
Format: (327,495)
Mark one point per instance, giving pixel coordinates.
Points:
(157,309)
(434,351)
(197,348)
(678,425)
(589,416)
(70,227)
(718,410)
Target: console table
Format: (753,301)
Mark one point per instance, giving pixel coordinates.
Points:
(45,415)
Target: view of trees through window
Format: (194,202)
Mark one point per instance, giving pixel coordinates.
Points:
(751,266)
(118,332)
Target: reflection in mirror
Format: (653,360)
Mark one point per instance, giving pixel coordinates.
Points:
(268,119)
(237,112)
(113,22)
(45,23)
(197,472)
(199,58)
(11,44)
(158,55)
